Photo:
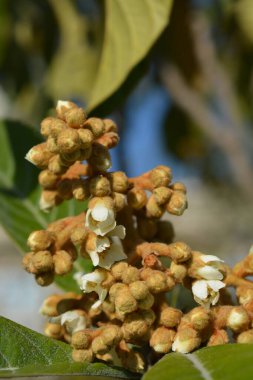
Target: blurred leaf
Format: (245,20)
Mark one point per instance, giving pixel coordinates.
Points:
(227,362)
(131,28)
(24,352)
(19,191)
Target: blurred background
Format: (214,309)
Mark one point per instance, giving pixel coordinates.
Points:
(187,103)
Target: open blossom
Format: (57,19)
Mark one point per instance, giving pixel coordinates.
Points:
(71,320)
(92,282)
(206,290)
(100,219)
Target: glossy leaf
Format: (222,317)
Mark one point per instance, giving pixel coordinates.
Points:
(19,191)
(226,362)
(24,352)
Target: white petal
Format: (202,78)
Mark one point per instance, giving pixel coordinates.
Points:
(94,258)
(100,213)
(210,258)
(73,321)
(119,231)
(102,293)
(102,243)
(199,289)
(87,218)
(216,299)
(115,253)
(209,273)
(78,277)
(216,285)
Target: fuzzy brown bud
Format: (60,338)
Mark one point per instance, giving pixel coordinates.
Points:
(178,271)
(78,235)
(238,319)
(27,263)
(162,195)
(139,289)
(44,279)
(170,317)
(52,330)
(245,337)
(82,356)
(131,274)
(137,198)
(40,240)
(80,190)
(62,262)
(63,106)
(178,186)
(98,346)
(43,261)
(119,182)
(218,337)
(68,141)
(118,269)
(48,180)
(39,155)
(96,126)
(154,210)
(49,199)
(52,145)
(147,302)
(56,165)
(161,340)
(115,289)
(86,137)
(75,117)
(157,282)
(119,201)
(200,318)
(110,126)
(186,340)
(177,203)
(81,340)
(111,335)
(244,294)
(125,303)
(179,252)
(134,327)
(160,176)
(100,186)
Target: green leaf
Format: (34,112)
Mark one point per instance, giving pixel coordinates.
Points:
(131,28)
(226,362)
(24,352)
(19,191)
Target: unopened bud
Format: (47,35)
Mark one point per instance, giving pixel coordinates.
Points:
(136,198)
(131,274)
(179,252)
(110,126)
(78,235)
(147,227)
(100,186)
(40,240)
(80,190)
(157,282)
(44,279)
(75,117)
(160,176)
(68,159)
(68,141)
(119,182)
(39,155)
(52,145)
(149,316)
(48,180)
(83,356)
(98,346)
(134,327)
(63,106)
(111,335)
(43,261)
(53,126)
(86,138)
(218,337)
(177,203)
(186,340)
(53,330)
(62,262)
(45,126)
(49,199)
(161,340)
(118,269)
(238,319)
(244,294)
(178,271)
(200,318)
(147,302)
(125,303)
(115,289)
(81,340)
(162,195)
(56,165)
(119,201)
(139,290)
(170,317)
(100,158)
(96,126)
(49,306)
(245,337)
(28,264)
(178,186)
(154,210)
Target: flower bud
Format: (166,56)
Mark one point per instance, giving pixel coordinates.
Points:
(48,180)
(139,290)
(86,137)
(178,186)
(81,340)
(53,331)
(218,337)
(119,201)
(49,199)
(110,126)
(153,208)
(99,346)
(162,195)
(96,126)
(118,269)
(80,189)
(238,319)
(125,303)
(165,231)
(63,106)
(62,262)
(39,155)
(160,176)
(49,306)
(136,198)
(52,145)
(56,165)
(147,302)
(44,279)
(147,227)
(68,141)
(119,182)
(161,340)
(170,317)
(100,186)
(131,274)
(134,328)
(200,318)
(111,335)
(115,289)
(40,240)
(179,252)
(186,340)
(53,126)
(177,203)
(245,337)
(68,159)
(78,235)
(45,126)
(28,264)
(157,282)
(100,158)
(82,356)
(75,117)
(109,140)
(43,261)
(244,294)
(178,271)
(148,315)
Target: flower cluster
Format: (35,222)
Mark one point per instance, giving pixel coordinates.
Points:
(123,309)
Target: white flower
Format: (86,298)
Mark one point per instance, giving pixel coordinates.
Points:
(206,292)
(71,320)
(211,271)
(100,219)
(91,282)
